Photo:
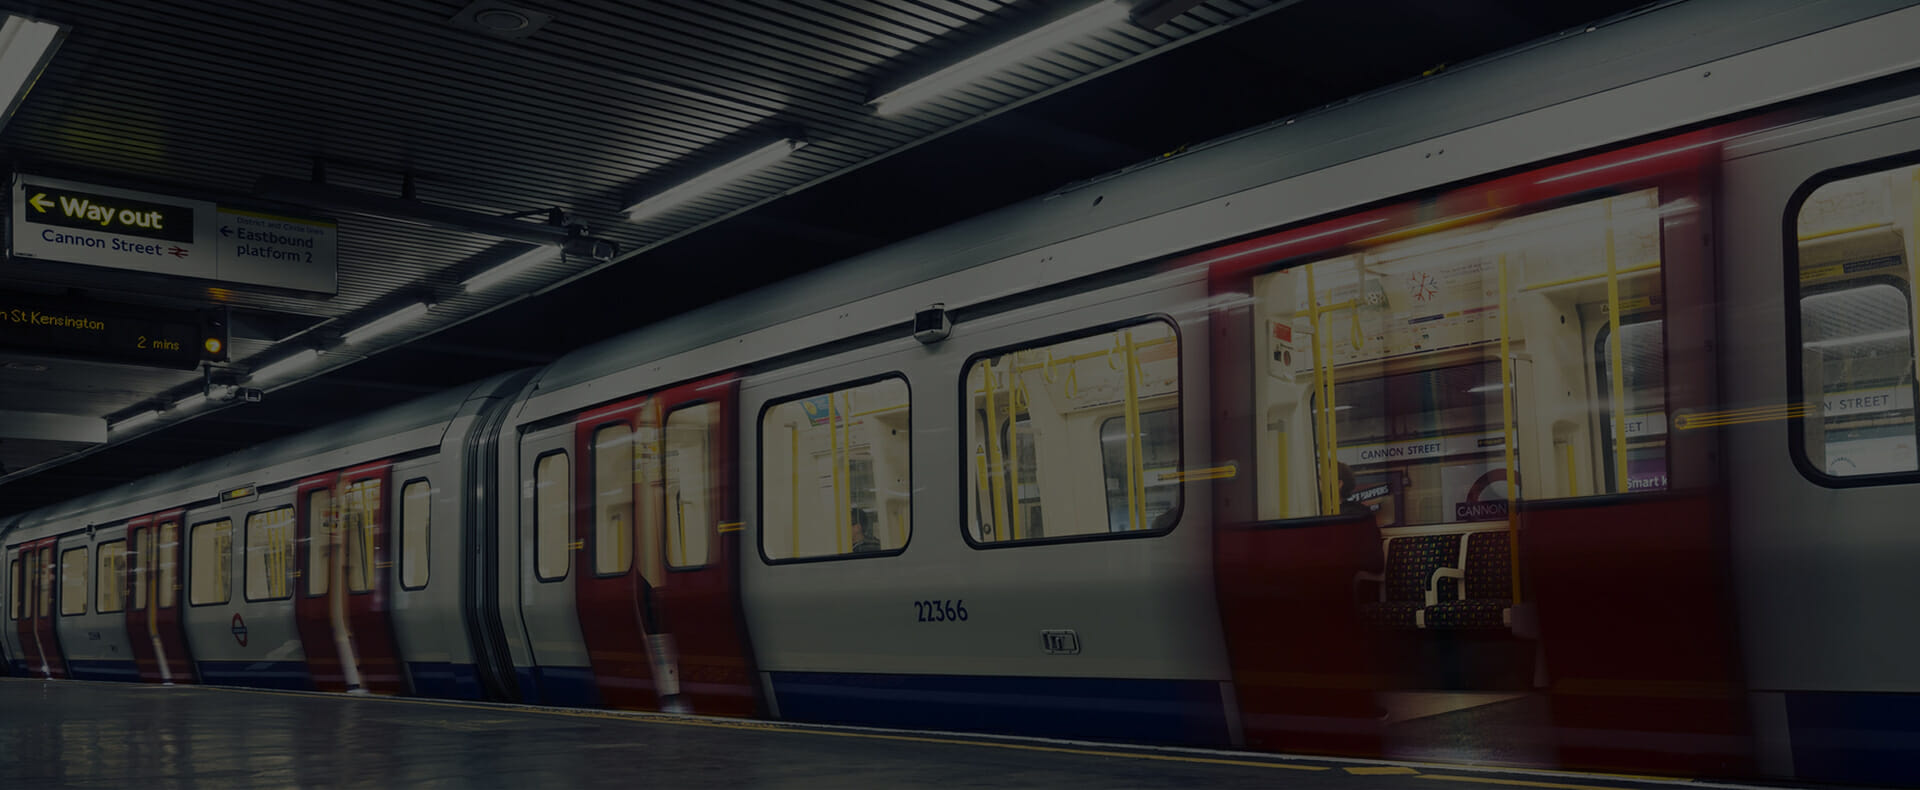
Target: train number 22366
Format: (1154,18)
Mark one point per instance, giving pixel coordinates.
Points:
(941,611)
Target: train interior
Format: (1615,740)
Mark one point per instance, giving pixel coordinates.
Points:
(1035,417)
(845,458)
(1427,378)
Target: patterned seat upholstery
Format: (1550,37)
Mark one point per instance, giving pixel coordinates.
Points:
(1411,562)
(1488,590)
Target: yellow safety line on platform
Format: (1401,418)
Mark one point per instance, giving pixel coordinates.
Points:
(1513,782)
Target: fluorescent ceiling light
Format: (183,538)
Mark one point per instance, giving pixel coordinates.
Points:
(385,324)
(292,364)
(135,421)
(519,263)
(714,179)
(25,47)
(1099,16)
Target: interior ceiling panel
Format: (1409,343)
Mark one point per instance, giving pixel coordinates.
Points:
(608,102)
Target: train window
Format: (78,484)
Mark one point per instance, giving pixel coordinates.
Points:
(1420,375)
(614,456)
(137,565)
(552,505)
(44,566)
(167,585)
(73,581)
(416,512)
(360,532)
(210,562)
(110,591)
(269,550)
(319,574)
(19,588)
(836,477)
(1092,417)
(1855,333)
(690,495)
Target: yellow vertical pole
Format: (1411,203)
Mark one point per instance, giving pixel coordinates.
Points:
(1325,464)
(1913,264)
(1136,457)
(1614,363)
(793,444)
(995,486)
(833,464)
(1573,482)
(1281,470)
(1509,436)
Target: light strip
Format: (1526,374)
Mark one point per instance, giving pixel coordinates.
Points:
(385,324)
(714,179)
(297,362)
(1099,16)
(519,263)
(25,47)
(135,421)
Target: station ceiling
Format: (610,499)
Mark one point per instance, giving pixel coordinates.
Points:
(493,109)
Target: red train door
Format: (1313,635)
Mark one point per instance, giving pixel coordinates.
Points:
(46,586)
(153,614)
(613,582)
(345,558)
(699,598)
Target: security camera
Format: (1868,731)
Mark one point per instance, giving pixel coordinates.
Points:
(248,394)
(932,324)
(582,245)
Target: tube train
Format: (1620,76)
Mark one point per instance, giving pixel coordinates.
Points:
(1489,417)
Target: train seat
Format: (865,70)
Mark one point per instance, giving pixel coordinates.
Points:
(1415,565)
(1482,595)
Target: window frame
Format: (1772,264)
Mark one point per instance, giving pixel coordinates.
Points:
(86,597)
(713,536)
(566,485)
(1794,292)
(760,468)
(16,583)
(591,536)
(400,542)
(120,578)
(1179,417)
(246,546)
(193,562)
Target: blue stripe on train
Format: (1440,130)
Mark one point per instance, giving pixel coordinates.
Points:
(445,679)
(1855,738)
(567,686)
(1157,711)
(290,675)
(97,669)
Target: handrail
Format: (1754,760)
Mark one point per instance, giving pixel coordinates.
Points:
(793,444)
(1507,441)
(1136,508)
(990,391)
(1614,360)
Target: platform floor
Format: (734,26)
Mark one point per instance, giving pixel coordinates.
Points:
(111,735)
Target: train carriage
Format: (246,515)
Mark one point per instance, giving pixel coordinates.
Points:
(1485,418)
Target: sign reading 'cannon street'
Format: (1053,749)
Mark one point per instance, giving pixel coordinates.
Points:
(71,222)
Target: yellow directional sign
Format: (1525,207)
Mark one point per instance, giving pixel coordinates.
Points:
(40,203)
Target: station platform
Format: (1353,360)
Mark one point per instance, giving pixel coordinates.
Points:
(93,734)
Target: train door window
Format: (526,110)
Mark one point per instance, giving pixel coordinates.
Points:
(359,530)
(110,593)
(1075,437)
(319,573)
(689,492)
(19,588)
(211,563)
(836,476)
(269,549)
(139,565)
(1424,374)
(614,456)
(1856,265)
(73,581)
(552,504)
(416,512)
(166,583)
(45,566)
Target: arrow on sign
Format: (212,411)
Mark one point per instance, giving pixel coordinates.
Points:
(226,231)
(176,252)
(39,202)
